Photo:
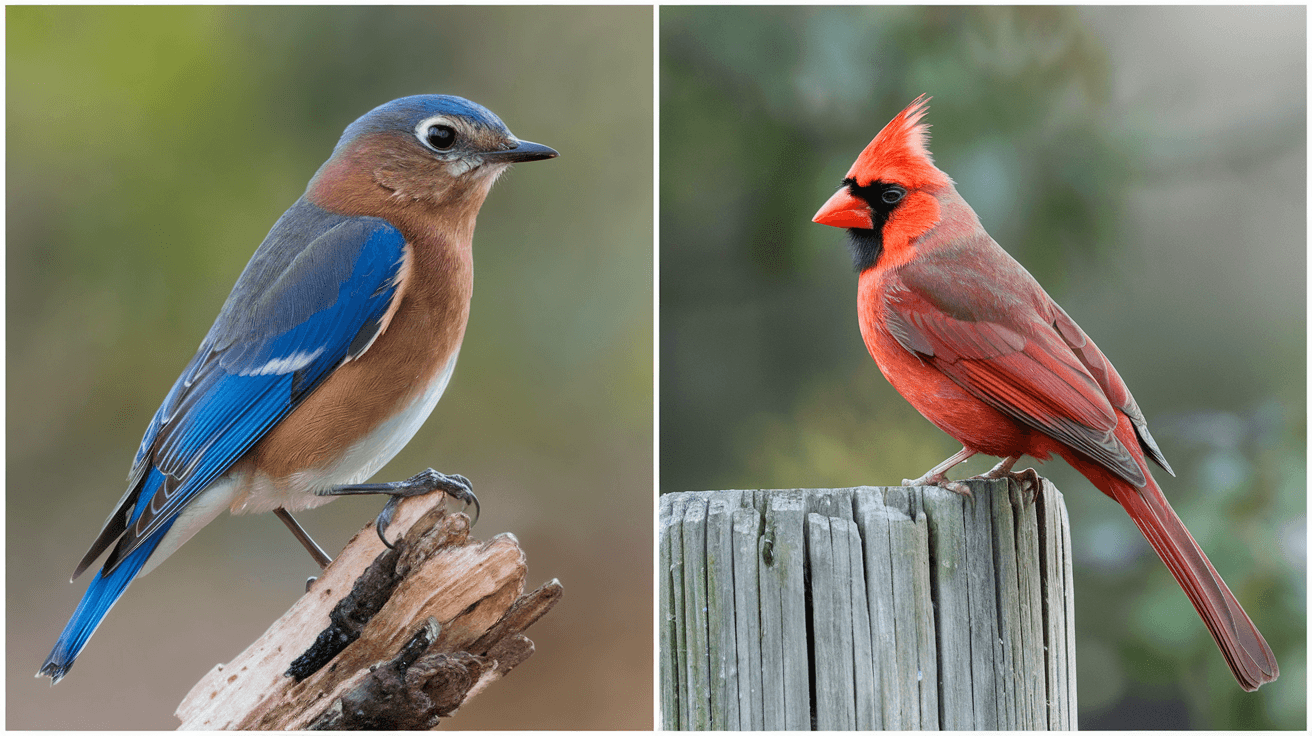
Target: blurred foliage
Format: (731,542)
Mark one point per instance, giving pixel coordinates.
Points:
(1148,166)
(149,151)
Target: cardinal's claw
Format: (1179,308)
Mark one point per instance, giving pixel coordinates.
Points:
(1028,479)
(928,479)
(940,480)
(959,488)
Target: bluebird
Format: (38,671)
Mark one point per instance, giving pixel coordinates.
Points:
(334,346)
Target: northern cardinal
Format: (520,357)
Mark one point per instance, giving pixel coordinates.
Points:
(966,335)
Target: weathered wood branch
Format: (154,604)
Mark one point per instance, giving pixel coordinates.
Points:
(385,639)
(866,608)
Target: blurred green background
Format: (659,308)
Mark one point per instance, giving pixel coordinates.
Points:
(149,151)
(1147,165)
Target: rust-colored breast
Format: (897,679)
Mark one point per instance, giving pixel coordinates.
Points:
(307,451)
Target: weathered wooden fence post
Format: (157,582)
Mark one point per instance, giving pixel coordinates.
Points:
(866,608)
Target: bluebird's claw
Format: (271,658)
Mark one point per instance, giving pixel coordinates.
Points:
(428,481)
(385,519)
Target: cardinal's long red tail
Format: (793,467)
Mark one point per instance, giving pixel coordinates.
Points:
(1245,650)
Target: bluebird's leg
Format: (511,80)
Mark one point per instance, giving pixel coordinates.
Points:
(302,536)
(428,481)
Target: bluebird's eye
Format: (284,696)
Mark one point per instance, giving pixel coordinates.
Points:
(441,137)
(893,195)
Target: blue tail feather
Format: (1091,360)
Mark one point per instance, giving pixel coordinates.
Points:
(101,596)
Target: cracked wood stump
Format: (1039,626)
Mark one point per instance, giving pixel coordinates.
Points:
(866,608)
(385,639)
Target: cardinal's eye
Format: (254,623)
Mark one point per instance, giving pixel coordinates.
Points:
(443,137)
(893,195)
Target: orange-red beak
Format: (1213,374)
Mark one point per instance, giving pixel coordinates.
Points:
(845,210)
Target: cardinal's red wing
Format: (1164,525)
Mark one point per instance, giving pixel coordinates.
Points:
(1022,367)
(1108,379)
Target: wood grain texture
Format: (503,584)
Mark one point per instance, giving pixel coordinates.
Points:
(866,608)
(452,624)
(747,527)
(721,629)
(669,568)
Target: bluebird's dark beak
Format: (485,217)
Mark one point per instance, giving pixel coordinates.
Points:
(525,151)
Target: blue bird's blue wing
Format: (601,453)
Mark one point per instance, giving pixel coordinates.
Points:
(314,294)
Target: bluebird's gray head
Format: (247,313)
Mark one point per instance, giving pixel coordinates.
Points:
(438,149)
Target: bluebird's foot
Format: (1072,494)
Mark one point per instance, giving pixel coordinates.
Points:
(428,481)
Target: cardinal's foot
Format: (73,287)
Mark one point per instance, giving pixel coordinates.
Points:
(1028,479)
(1030,484)
(428,481)
(941,480)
